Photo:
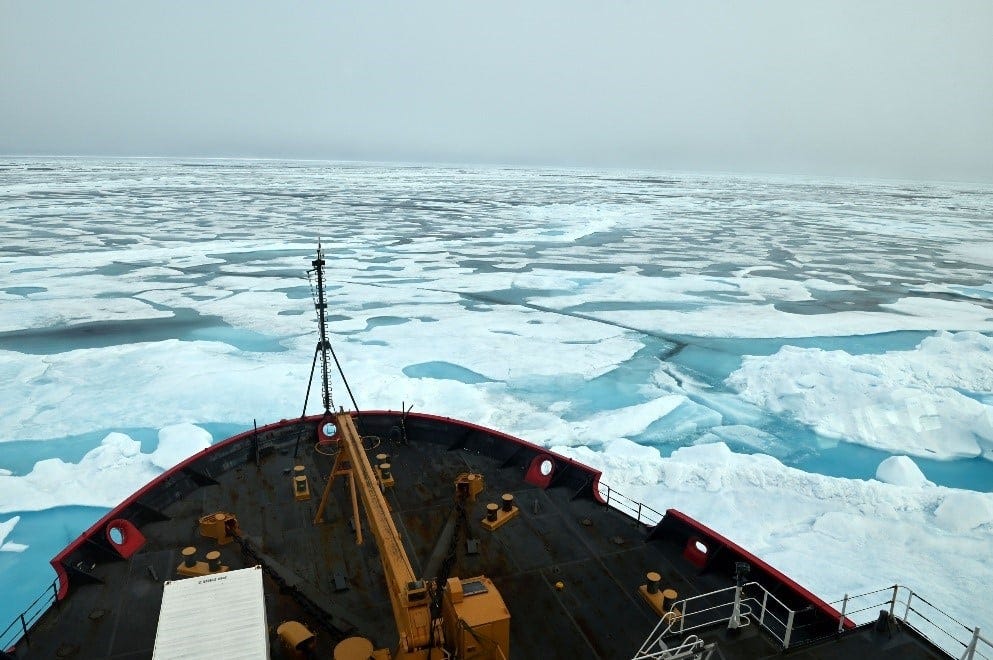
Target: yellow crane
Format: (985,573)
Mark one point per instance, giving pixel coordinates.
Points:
(474,621)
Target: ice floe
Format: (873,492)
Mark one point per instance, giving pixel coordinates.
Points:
(104,477)
(765,320)
(901,471)
(6,527)
(909,402)
(179,442)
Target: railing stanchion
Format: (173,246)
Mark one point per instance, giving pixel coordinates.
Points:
(906,612)
(970,651)
(765,597)
(893,599)
(24,627)
(841,619)
(789,630)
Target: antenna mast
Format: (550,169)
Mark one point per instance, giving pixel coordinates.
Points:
(323,345)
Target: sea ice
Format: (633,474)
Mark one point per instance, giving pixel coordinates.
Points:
(964,510)
(747,436)
(901,471)
(902,401)
(178,442)
(764,320)
(624,422)
(142,385)
(105,476)
(43,311)
(6,527)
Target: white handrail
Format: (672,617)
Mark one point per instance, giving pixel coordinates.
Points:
(641,512)
(942,629)
(680,612)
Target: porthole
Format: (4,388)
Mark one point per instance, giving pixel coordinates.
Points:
(546,467)
(116,535)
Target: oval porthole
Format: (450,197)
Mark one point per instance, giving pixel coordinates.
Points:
(545,468)
(329,429)
(701,547)
(116,535)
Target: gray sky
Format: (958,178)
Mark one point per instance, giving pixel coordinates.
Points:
(895,88)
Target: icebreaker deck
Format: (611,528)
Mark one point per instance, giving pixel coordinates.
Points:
(570,567)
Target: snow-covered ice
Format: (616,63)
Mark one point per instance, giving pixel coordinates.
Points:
(915,401)
(901,471)
(105,476)
(6,527)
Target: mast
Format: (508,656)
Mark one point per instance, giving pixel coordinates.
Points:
(323,345)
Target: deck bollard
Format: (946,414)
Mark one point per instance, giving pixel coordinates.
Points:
(189,556)
(653,580)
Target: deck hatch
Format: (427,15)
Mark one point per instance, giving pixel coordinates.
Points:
(215,616)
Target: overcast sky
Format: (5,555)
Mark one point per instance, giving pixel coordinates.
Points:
(898,88)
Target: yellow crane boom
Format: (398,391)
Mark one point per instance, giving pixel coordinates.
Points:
(408,594)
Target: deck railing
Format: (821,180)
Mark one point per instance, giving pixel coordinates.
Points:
(902,603)
(21,625)
(643,513)
(911,609)
(756,605)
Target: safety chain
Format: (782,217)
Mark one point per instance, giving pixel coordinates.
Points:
(446,566)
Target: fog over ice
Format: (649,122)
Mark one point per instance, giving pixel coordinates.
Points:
(898,89)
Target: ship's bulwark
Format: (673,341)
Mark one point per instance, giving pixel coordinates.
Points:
(568,566)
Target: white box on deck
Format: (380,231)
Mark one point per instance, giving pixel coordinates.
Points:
(214,616)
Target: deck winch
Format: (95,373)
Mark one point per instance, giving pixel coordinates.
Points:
(220,526)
